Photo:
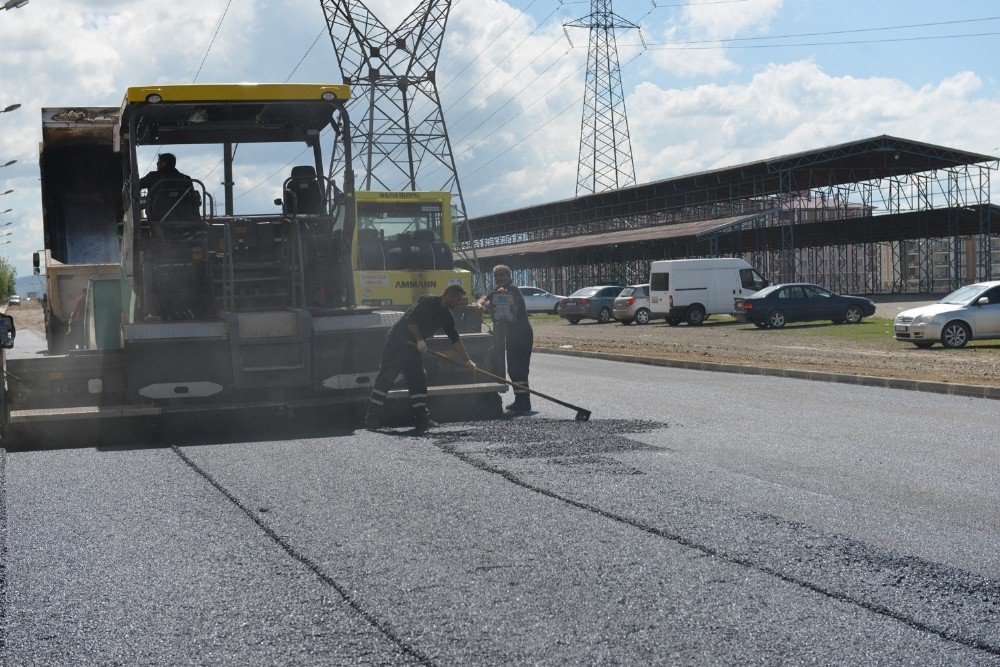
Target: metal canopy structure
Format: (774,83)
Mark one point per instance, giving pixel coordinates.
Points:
(875,215)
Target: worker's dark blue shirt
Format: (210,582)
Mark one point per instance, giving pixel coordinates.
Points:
(428,316)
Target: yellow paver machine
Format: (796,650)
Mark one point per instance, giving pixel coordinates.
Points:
(182,306)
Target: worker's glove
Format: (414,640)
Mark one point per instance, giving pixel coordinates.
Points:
(471,365)
(421,346)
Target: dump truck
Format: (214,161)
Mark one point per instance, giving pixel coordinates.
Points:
(160,301)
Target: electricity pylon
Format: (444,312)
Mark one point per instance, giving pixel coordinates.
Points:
(605,149)
(397,124)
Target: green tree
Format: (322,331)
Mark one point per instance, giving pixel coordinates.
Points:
(7,276)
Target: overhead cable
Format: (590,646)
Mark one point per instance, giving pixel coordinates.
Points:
(211,42)
(520,13)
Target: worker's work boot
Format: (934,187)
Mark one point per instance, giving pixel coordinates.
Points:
(371,422)
(422,421)
(522,403)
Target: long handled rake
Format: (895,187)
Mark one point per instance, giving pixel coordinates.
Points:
(582,415)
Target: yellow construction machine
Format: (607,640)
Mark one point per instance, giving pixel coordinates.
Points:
(183,306)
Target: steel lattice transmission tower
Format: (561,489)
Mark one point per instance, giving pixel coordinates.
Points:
(397,124)
(605,149)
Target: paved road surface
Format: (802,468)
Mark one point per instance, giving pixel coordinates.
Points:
(700,518)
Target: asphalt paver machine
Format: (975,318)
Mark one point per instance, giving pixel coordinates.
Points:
(180,304)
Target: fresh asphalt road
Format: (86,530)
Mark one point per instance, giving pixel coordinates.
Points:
(698,518)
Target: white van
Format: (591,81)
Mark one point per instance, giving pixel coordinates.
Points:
(689,290)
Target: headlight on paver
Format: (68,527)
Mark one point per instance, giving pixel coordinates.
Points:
(923,319)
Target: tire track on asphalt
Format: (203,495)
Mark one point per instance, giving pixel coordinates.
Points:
(872,607)
(341,590)
(3,556)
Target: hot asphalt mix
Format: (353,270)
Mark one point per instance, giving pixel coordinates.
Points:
(699,518)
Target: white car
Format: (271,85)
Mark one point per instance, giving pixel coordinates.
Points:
(969,313)
(537,300)
(13,300)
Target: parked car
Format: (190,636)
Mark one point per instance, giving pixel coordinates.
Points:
(632,305)
(801,302)
(13,300)
(589,303)
(969,313)
(537,300)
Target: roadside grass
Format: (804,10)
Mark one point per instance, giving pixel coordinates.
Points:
(870,331)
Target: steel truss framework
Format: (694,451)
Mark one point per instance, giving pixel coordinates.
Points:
(397,123)
(877,215)
(605,160)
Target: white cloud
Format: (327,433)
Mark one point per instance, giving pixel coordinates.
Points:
(706,22)
(795,107)
(725,20)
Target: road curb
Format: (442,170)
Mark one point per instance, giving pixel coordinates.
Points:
(971,390)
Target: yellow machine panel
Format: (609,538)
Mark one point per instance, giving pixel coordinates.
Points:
(402,248)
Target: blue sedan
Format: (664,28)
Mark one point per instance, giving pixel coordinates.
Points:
(801,302)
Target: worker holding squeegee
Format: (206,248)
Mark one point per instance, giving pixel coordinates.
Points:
(404,346)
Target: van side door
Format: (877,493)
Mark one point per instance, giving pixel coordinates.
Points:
(659,290)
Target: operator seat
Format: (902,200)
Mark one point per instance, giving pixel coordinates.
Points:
(302,194)
(173,200)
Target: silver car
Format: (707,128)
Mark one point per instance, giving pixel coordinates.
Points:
(537,300)
(969,313)
(632,305)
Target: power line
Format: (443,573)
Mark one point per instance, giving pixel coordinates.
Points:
(520,13)
(281,169)
(538,99)
(656,6)
(525,87)
(515,95)
(572,104)
(840,43)
(819,34)
(212,41)
(512,50)
(321,32)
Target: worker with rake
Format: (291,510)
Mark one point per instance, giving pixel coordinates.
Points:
(402,353)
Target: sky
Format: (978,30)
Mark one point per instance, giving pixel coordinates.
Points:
(718,82)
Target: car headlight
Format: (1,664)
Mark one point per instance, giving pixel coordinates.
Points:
(923,319)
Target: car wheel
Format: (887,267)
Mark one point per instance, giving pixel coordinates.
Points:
(604,316)
(696,315)
(776,319)
(955,334)
(642,316)
(760,325)
(673,321)
(853,314)
(924,345)
(626,322)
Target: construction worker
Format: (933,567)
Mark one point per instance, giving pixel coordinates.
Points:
(159,204)
(402,352)
(512,334)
